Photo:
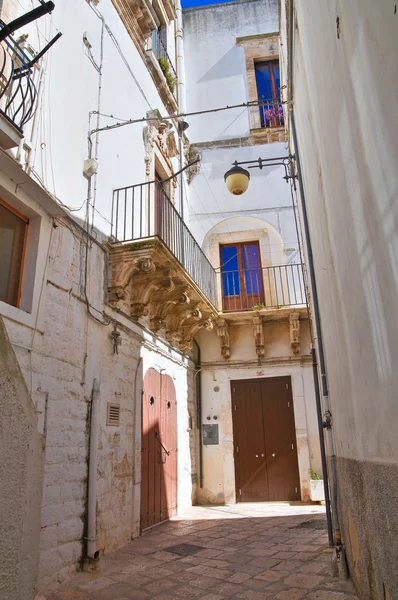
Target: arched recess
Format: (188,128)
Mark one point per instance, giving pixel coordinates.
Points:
(159,449)
(245,229)
(238,229)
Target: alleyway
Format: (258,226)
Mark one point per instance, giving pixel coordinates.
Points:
(246,552)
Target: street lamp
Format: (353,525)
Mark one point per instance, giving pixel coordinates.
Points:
(237,179)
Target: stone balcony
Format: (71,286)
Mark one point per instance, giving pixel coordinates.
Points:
(158,273)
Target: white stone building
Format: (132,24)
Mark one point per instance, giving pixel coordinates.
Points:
(251,241)
(113,438)
(340,74)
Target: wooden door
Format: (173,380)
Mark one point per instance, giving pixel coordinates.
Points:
(158,449)
(265,451)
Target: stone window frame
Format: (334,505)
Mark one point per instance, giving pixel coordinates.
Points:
(216,240)
(257,48)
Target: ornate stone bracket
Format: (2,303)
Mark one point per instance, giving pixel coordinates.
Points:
(223,334)
(191,154)
(161,134)
(189,331)
(146,281)
(294,322)
(259,335)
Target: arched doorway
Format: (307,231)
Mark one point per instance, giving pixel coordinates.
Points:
(158,449)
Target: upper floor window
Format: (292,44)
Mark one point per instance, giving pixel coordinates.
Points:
(241,276)
(268,91)
(13,232)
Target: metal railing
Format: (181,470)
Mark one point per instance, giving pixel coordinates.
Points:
(160,51)
(266,287)
(145,211)
(18,91)
(271,113)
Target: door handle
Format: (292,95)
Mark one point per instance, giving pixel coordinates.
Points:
(256,455)
(273,455)
(263,455)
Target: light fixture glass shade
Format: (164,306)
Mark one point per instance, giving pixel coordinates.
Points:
(237,180)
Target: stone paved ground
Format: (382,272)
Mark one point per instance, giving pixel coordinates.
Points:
(249,552)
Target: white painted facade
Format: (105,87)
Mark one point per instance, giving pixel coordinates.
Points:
(341,77)
(216,39)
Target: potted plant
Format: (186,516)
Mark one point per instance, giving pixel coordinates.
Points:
(171,81)
(316,484)
(258,306)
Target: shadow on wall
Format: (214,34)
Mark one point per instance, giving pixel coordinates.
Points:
(230,65)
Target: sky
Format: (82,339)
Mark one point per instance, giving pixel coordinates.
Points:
(192,3)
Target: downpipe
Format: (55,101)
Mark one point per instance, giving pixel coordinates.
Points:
(325,422)
(198,379)
(92,550)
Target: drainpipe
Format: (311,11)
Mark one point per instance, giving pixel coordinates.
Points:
(182,100)
(92,551)
(326,422)
(199,410)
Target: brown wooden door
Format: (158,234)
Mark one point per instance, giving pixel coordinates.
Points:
(158,449)
(266,465)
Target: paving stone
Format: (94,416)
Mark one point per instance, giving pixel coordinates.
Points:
(288,565)
(272,576)
(227,589)
(292,594)
(218,564)
(239,577)
(266,563)
(303,580)
(325,595)
(159,585)
(250,552)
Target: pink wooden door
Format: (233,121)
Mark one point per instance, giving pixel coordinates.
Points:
(158,449)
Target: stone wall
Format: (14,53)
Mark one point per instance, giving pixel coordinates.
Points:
(21,477)
(69,350)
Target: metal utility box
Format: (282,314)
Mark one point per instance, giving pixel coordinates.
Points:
(210,435)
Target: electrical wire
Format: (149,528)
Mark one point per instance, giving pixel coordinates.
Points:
(118,48)
(177,115)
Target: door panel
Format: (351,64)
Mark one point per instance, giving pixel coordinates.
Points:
(249,447)
(280,436)
(266,464)
(158,449)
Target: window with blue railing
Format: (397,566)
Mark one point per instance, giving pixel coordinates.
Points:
(268,91)
(242,278)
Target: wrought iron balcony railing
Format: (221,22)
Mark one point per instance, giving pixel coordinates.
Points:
(145,211)
(266,287)
(271,113)
(17,87)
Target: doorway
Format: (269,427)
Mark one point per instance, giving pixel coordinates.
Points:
(265,447)
(158,450)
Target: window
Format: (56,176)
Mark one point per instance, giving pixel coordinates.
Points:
(13,230)
(241,276)
(268,91)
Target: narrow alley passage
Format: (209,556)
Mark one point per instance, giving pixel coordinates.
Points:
(246,552)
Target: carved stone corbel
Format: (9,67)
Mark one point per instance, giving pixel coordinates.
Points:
(223,334)
(191,154)
(190,330)
(259,335)
(294,322)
